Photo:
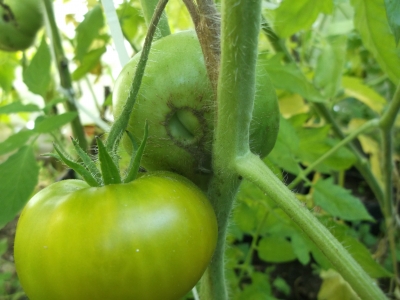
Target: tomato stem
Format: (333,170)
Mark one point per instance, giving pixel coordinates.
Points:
(120,125)
(149,7)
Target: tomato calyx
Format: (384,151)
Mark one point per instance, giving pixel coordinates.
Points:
(108,161)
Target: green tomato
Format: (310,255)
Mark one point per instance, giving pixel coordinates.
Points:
(176,98)
(149,239)
(19,23)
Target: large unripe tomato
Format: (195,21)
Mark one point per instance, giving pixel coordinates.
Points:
(150,239)
(176,98)
(19,23)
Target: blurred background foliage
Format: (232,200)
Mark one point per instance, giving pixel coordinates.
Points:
(338,52)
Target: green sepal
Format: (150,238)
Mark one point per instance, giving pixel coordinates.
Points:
(134,164)
(109,168)
(133,141)
(78,168)
(87,161)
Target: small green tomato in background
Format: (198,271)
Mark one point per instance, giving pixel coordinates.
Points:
(149,239)
(20,21)
(177,100)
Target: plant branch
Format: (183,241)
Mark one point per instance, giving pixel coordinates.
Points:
(119,126)
(65,75)
(207,23)
(365,127)
(361,164)
(253,169)
(236,89)
(386,125)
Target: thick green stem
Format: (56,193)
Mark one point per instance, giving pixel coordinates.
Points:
(65,75)
(149,7)
(365,127)
(386,124)
(236,89)
(252,168)
(361,163)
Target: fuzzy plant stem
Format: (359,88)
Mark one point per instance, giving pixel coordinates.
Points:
(252,168)
(365,127)
(386,125)
(232,159)
(236,88)
(63,71)
(148,7)
(119,126)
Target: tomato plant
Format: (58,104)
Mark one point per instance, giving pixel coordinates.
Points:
(148,239)
(19,23)
(176,98)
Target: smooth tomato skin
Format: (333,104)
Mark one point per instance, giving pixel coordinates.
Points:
(19,23)
(176,98)
(149,239)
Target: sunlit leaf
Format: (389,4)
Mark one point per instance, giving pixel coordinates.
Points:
(17,107)
(15,141)
(354,87)
(88,30)
(371,22)
(339,202)
(275,249)
(290,78)
(48,124)
(18,178)
(8,63)
(328,72)
(89,61)
(334,287)
(37,75)
(295,15)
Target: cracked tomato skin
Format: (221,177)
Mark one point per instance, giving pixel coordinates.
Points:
(20,20)
(177,100)
(149,239)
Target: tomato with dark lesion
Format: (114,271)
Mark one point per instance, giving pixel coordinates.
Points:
(177,100)
(19,23)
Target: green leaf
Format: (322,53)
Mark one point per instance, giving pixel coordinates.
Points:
(339,202)
(88,63)
(8,63)
(295,15)
(330,63)
(358,250)
(289,77)
(134,165)
(18,178)
(259,288)
(314,143)
(89,163)
(283,154)
(15,141)
(334,287)
(109,169)
(37,75)
(48,124)
(371,22)
(275,249)
(17,107)
(78,168)
(393,15)
(88,30)
(354,87)
(131,19)
(300,248)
